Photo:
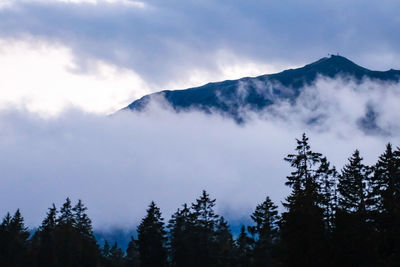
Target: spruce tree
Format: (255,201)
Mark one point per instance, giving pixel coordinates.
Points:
(204,222)
(151,239)
(244,248)
(132,258)
(302,235)
(112,256)
(353,188)
(75,244)
(66,214)
(43,242)
(265,232)
(105,252)
(327,179)
(181,238)
(14,241)
(50,222)
(116,256)
(385,197)
(353,234)
(224,244)
(81,221)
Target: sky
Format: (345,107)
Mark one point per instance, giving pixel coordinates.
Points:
(100,55)
(66,65)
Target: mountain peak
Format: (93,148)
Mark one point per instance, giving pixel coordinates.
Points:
(335,64)
(263,90)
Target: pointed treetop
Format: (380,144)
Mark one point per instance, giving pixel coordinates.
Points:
(66,215)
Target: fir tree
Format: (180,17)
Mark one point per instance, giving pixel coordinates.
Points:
(204,222)
(244,249)
(82,221)
(50,222)
(353,234)
(105,252)
(302,224)
(151,239)
(66,214)
(75,245)
(43,243)
(224,244)
(132,258)
(180,238)
(112,256)
(265,231)
(327,180)
(353,188)
(13,241)
(116,256)
(385,197)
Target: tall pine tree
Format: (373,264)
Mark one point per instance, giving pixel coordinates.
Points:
(13,241)
(224,244)
(181,238)
(385,185)
(152,239)
(244,249)
(204,222)
(43,242)
(303,233)
(265,231)
(353,234)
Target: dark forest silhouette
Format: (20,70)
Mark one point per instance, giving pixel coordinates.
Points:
(331,218)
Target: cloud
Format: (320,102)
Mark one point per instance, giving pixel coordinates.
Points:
(338,105)
(176,44)
(43,77)
(117,164)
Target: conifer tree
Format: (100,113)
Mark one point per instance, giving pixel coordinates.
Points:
(354,235)
(82,221)
(385,197)
(151,239)
(50,222)
(112,256)
(105,252)
(302,235)
(75,244)
(327,180)
(43,242)
(14,241)
(116,256)
(132,258)
(66,214)
(265,231)
(5,237)
(224,244)
(181,238)
(353,188)
(66,238)
(244,249)
(204,222)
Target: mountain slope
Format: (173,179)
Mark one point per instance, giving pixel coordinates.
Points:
(228,97)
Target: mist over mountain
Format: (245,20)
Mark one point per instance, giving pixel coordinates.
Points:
(231,97)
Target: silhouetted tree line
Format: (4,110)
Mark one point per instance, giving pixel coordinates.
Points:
(331,218)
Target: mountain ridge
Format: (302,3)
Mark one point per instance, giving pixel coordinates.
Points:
(261,91)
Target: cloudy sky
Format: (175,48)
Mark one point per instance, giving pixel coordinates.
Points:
(66,64)
(100,55)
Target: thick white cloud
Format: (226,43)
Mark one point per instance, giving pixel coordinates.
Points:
(43,77)
(46,77)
